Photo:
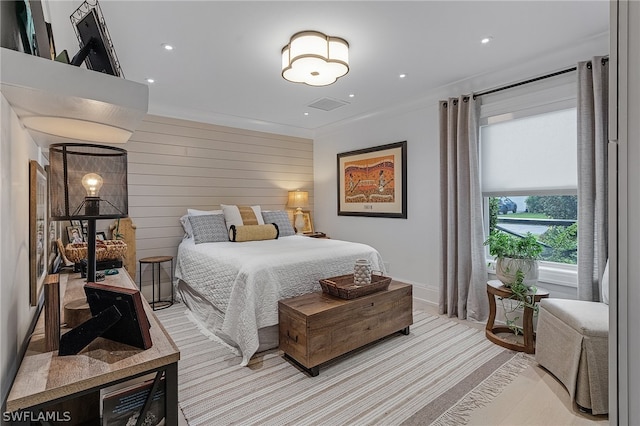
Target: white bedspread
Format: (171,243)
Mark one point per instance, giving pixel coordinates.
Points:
(246,280)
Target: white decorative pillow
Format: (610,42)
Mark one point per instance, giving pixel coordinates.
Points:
(242,215)
(208,228)
(280,218)
(194,212)
(186,225)
(605,284)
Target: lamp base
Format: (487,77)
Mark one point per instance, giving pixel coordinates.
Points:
(299,223)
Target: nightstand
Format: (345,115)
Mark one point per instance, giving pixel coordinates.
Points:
(316,235)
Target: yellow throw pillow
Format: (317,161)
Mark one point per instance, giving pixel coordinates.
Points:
(253,232)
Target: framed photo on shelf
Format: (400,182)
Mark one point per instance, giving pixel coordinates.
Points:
(75,234)
(373,181)
(308,223)
(38,230)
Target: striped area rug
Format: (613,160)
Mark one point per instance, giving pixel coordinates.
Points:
(436,375)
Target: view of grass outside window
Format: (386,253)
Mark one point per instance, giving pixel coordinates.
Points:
(551,218)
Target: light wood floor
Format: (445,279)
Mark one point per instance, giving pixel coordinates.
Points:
(535,397)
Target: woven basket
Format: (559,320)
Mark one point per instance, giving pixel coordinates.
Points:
(344,288)
(105,250)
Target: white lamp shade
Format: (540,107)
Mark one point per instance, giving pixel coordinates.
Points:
(298,199)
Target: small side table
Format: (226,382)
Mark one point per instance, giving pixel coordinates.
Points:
(157,260)
(496,288)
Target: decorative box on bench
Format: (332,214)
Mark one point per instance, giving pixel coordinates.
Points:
(345,288)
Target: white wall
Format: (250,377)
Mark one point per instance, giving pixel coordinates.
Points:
(411,246)
(408,246)
(16,314)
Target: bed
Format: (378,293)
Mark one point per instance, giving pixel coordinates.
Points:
(232,288)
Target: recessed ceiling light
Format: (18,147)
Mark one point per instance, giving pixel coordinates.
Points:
(306,113)
(167,46)
(402,76)
(352,95)
(150,80)
(486,40)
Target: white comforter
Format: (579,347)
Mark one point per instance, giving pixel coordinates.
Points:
(246,280)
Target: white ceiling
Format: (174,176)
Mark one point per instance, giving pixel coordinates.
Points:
(226,62)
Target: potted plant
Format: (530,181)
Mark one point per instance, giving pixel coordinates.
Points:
(514,253)
(517,268)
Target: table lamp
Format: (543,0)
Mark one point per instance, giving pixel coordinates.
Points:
(88,182)
(298,200)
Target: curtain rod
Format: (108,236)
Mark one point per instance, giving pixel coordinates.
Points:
(532,80)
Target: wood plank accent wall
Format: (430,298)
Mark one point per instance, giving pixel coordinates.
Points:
(177,164)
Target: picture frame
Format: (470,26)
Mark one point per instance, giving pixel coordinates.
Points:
(38,230)
(101,236)
(75,234)
(53,234)
(373,181)
(308,222)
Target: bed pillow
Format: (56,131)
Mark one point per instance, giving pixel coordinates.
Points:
(242,215)
(280,218)
(194,212)
(253,232)
(186,225)
(209,228)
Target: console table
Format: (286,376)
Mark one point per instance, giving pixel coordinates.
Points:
(45,381)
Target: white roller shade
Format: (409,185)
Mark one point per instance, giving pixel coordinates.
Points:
(531,155)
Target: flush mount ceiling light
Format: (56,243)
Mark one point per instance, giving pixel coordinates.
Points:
(315,59)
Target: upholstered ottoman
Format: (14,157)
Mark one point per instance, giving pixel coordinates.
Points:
(572,343)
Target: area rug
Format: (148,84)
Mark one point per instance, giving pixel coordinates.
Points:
(436,375)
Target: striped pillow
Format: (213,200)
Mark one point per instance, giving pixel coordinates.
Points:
(242,215)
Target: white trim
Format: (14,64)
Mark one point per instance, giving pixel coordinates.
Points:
(560,274)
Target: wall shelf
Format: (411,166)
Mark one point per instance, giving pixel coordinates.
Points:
(91,104)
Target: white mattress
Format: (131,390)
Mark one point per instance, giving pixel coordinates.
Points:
(242,282)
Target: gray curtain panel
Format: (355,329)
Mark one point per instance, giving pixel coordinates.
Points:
(592,176)
(463,269)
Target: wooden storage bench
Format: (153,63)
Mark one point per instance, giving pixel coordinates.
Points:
(317,327)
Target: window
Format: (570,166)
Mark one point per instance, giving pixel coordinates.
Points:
(529,172)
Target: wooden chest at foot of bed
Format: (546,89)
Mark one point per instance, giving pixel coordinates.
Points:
(316,327)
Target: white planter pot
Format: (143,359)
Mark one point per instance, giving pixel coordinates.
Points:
(507,267)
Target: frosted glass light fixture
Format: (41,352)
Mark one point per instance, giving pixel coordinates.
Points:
(314,58)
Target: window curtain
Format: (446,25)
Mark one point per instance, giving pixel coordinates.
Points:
(463,269)
(592,176)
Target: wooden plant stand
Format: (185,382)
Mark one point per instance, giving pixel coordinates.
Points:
(496,288)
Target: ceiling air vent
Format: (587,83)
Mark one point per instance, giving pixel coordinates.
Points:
(327,104)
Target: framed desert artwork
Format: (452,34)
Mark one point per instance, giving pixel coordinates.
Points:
(38,230)
(373,181)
